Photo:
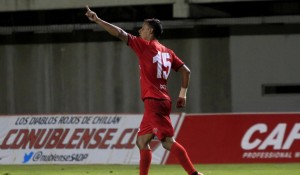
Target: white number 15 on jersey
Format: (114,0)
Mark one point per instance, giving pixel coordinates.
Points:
(162,60)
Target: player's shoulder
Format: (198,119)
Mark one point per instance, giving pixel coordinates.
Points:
(133,37)
(164,47)
(135,41)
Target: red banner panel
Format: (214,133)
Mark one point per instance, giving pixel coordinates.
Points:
(241,138)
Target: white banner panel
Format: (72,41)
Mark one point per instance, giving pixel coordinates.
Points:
(74,139)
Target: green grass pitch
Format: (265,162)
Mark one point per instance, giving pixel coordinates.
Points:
(210,169)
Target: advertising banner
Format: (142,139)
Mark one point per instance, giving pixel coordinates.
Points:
(74,139)
(241,138)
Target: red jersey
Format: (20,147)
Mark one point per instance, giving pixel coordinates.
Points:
(155,62)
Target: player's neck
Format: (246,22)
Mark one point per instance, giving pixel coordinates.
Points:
(150,38)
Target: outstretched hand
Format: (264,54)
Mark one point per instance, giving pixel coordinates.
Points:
(90,14)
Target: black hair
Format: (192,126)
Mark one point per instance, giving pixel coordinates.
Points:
(156,25)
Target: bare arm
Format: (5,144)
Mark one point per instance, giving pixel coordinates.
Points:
(185,76)
(110,28)
(185,79)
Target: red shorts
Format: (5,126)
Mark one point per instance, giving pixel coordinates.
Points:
(156,119)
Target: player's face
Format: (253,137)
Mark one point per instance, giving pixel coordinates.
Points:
(145,31)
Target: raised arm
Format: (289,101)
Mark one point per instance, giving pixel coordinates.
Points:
(185,79)
(110,28)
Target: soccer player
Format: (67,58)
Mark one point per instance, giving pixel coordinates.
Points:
(155,62)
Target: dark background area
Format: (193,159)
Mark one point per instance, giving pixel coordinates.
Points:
(141,12)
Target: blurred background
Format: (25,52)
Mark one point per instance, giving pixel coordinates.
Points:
(243,54)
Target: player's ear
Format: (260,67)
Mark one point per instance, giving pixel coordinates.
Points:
(150,29)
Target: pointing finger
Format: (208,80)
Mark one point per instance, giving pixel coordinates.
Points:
(87,8)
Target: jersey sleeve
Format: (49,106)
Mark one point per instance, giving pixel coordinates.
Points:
(136,44)
(177,62)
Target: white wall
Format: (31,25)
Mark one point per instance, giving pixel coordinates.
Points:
(100,77)
(93,77)
(264,59)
